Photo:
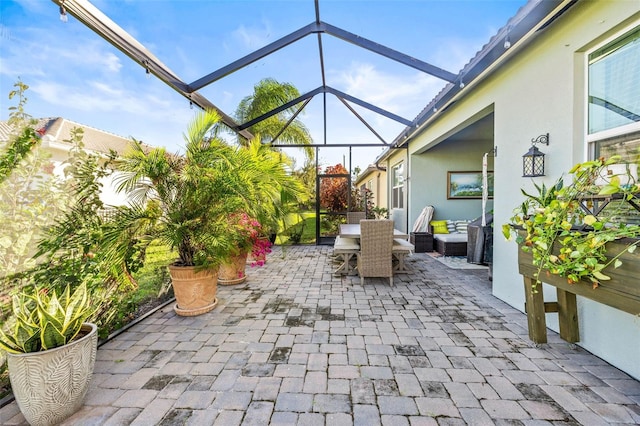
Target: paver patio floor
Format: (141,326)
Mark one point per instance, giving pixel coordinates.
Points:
(297,345)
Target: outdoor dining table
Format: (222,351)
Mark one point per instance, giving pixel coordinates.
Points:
(353,231)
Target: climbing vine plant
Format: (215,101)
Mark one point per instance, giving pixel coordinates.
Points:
(562,237)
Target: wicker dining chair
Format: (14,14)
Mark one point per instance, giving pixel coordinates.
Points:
(355,217)
(376,245)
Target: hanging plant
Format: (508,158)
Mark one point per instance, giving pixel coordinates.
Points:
(563,238)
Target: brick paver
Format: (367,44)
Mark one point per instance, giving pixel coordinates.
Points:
(295,345)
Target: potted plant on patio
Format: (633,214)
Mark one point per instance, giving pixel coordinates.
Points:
(51,352)
(558,218)
(186,200)
(247,232)
(571,235)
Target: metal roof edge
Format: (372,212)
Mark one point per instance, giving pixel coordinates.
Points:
(370,169)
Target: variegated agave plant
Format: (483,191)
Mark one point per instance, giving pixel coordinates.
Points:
(45,321)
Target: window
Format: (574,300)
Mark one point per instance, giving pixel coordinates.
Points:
(614,85)
(397,174)
(614,107)
(627,146)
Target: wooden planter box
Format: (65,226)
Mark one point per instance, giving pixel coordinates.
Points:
(621,292)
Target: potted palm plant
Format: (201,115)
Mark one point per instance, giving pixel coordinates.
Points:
(186,200)
(51,352)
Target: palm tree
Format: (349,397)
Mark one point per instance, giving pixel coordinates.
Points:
(186,201)
(267,95)
(189,202)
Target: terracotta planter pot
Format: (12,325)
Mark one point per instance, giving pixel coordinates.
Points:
(233,271)
(195,291)
(50,386)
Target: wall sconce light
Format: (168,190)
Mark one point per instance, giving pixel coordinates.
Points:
(533,160)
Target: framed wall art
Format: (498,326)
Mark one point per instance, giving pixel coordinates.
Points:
(467,185)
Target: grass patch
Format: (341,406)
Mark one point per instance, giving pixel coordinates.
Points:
(299,228)
(154,288)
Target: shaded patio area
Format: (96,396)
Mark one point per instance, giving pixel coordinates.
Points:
(298,345)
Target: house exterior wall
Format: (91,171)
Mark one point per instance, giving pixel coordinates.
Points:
(428,180)
(378,180)
(398,215)
(108,195)
(542,89)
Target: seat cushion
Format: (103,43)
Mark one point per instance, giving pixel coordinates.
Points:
(452,238)
(402,245)
(342,243)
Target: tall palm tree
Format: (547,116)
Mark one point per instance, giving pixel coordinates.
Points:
(269,94)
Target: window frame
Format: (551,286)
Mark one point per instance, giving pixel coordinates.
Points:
(397,190)
(592,139)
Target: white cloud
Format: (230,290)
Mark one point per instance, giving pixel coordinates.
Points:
(454,53)
(98,97)
(227,98)
(30,56)
(252,38)
(35,5)
(401,94)
(90,57)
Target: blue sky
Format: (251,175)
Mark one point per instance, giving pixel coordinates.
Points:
(73,73)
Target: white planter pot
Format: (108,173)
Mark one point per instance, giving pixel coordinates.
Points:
(50,386)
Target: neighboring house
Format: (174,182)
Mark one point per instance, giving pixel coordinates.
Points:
(374,179)
(55,140)
(566,68)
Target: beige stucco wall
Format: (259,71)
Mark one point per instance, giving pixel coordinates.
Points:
(378,179)
(398,216)
(428,180)
(542,89)
(108,195)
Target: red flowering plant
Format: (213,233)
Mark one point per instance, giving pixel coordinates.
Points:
(261,247)
(248,238)
(245,232)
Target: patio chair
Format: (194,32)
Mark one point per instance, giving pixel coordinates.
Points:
(376,244)
(355,217)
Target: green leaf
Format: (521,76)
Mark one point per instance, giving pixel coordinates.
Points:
(8,343)
(617,263)
(33,344)
(51,337)
(591,261)
(506,231)
(541,244)
(24,332)
(609,189)
(601,276)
